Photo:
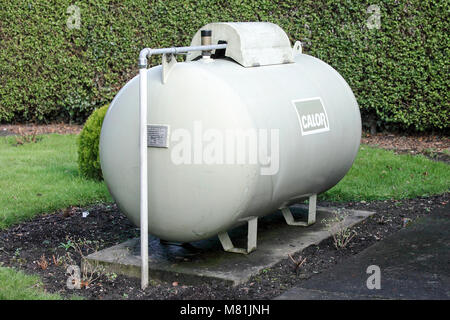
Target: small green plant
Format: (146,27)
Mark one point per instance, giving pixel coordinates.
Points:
(111,276)
(17,252)
(90,271)
(67,245)
(17,258)
(88,145)
(342,235)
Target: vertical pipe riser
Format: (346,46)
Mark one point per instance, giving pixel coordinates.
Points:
(143,174)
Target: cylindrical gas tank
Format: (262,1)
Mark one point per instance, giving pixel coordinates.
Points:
(231,141)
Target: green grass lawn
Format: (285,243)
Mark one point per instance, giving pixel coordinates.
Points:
(16,285)
(379,174)
(42,177)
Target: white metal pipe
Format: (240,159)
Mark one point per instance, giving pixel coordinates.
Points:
(143,174)
(147,52)
(143,94)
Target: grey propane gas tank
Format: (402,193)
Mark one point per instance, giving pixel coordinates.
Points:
(305,107)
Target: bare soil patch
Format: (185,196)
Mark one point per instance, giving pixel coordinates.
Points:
(434,147)
(36,129)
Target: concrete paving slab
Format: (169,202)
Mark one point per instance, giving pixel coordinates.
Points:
(205,261)
(414,264)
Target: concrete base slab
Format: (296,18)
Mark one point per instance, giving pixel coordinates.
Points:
(205,261)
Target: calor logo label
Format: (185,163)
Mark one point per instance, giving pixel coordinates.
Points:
(312,115)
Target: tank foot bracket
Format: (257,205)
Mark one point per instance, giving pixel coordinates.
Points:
(287,214)
(251,239)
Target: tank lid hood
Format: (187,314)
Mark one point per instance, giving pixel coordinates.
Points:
(251,44)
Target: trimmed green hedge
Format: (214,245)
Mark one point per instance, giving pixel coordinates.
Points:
(399,73)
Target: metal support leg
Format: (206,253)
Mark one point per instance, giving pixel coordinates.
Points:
(287,214)
(251,239)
